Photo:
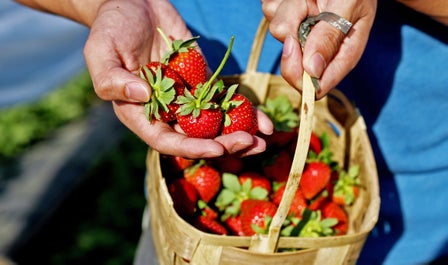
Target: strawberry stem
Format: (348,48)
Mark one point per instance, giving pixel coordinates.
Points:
(164,37)
(223,62)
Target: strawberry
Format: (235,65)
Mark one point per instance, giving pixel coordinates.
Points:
(277,166)
(284,118)
(186,60)
(166,84)
(256,216)
(257,180)
(233,224)
(239,113)
(298,203)
(184,196)
(346,186)
(207,211)
(333,210)
(315,144)
(315,177)
(230,164)
(208,225)
(206,180)
(178,163)
(234,192)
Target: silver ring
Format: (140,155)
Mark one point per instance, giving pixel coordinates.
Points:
(336,21)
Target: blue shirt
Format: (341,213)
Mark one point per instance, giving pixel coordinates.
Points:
(401,89)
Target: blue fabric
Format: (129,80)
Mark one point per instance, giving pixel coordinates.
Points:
(401,89)
(38,53)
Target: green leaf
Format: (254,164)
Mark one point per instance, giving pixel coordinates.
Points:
(231,182)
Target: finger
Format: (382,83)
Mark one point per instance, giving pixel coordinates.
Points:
(242,143)
(269,8)
(161,137)
(110,79)
(288,16)
(265,125)
(291,63)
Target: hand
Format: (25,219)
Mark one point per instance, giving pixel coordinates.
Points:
(122,38)
(328,54)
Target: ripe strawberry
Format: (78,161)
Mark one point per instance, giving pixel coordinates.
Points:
(186,60)
(197,115)
(230,164)
(315,144)
(333,210)
(206,180)
(277,166)
(298,203)
(315,177)
(284,118)
(256,216)
(208,225)
(346,186)
(239,113)
(178,163)
(184,196)
(234,193)
(166,84)
(207,211)
(257,180)
(233,224)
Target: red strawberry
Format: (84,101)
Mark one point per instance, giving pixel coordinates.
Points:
(184,197)
(234,193)
(315,144)
(333,210)
(231,164)
(207,211)
(186,60)
(208,225)
(206,180)
(233,224)
(317,202)
(166,84)
(206,124)
(298,203)
(239,113)
(277,166)
(256,216)
(178,163)
(284,118)
(315,177)
(257,179)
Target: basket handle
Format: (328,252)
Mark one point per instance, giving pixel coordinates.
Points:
(268,243)
(257,46)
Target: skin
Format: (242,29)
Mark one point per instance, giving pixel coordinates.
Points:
(123,37)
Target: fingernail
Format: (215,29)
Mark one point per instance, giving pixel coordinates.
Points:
(287,46)
(316,64)
(136,92)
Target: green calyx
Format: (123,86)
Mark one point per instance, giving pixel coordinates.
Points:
(281,112)
(346,183)
(310,225)
(233,194)
(163,92)
(176,46)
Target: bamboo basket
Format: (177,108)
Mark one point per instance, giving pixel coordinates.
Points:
(178,242)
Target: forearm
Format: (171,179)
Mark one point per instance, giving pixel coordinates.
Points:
(437,9)
(83,12)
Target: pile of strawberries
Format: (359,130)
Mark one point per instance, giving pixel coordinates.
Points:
(181,93)
(239,196)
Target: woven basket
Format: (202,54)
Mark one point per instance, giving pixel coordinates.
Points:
(178,242)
